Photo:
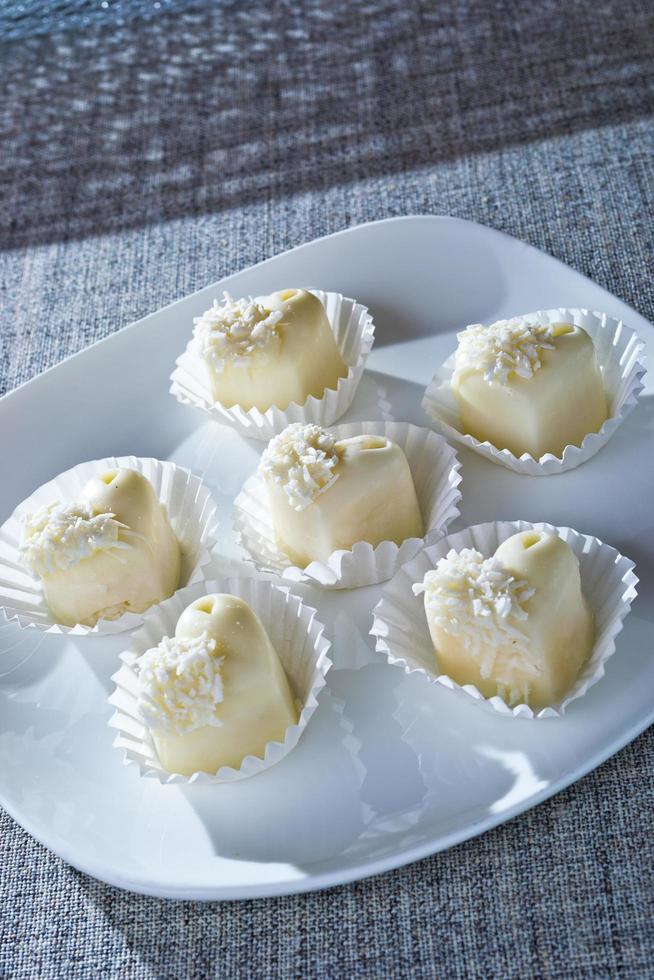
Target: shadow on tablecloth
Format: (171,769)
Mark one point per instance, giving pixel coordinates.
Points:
(208,107)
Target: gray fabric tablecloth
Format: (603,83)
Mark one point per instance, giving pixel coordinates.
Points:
(149,149)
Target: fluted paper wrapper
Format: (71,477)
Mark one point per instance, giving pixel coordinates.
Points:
(297,636)
(618,349)
(354,331)
(435,470)
(191,512)
(400,626)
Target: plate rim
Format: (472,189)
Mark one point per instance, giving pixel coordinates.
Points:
(333,879)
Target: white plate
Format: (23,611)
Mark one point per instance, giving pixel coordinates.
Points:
(390,768)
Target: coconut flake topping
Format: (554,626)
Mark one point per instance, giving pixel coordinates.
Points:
(302,460)
(59,536)
(180,684)
(233,330)
(477,600)
(505,348)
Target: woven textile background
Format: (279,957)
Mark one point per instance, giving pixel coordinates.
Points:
(150,148)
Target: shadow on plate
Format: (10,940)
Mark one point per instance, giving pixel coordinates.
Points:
(394,760)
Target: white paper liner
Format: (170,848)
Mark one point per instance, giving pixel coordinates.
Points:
(400,625)
(297,636)
(354,331)
(191,511)
(435,470)
(618,349)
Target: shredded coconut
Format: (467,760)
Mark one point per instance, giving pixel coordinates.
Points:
(180,684)
(232,330)
(505,348)
(477,600)
(302,460)
(59,536)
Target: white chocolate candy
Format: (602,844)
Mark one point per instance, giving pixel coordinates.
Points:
(326,495)
(217,691)
(268,351)
(528,388)
(110,553)
(514,625)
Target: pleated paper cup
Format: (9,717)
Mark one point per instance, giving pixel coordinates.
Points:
(400,626)
(354,331)
(191,511)
(297,636)
(435,470)
(618,349)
